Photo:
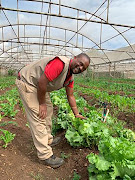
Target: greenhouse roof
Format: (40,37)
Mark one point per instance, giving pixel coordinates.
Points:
(33,29)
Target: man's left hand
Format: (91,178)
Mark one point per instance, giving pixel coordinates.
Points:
(80,116)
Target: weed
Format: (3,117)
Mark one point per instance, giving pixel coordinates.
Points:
(38,176)
(65,156)
(27,125)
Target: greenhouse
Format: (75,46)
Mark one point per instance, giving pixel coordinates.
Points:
(67,72)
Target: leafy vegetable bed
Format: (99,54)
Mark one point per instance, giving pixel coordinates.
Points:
(115,143)
(115,158)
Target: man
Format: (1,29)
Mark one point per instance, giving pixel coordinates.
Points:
(34,83)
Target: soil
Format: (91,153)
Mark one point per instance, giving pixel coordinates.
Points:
(129,118)
(121,93)
(19,160)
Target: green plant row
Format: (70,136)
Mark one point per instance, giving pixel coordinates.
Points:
(112,139)
(7,108)
(6,82)
(106,85)
(122,103)
(7,103)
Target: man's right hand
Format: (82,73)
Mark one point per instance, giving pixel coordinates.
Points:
(42,111)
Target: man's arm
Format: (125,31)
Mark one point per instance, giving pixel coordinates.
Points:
(41,91)
(72,102)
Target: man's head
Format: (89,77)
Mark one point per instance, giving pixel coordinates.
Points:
(80,63)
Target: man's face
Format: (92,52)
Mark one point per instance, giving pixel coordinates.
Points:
(79,65)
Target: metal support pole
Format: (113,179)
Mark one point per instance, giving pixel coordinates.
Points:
(65,41)
(82,42)
(11,48)
(93,73)
(59,7)
(24,36)
(107,11)
(18,19)
(101,34)
(85,16)
(77,29)
(114,69)
(0,6)
(40,26)
(49,26)
(3,38)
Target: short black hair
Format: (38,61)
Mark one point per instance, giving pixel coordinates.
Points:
(83,54)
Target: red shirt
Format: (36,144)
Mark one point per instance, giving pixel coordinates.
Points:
(53,70)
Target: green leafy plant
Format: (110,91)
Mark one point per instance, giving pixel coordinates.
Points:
(27,125)
(11,72)
(65,156)
(8,109)
(7,137)
(6,123)
(37,176)
(94,131)
(116,159)
(6,82)
(76,176)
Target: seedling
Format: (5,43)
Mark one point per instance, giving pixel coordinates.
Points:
(38,176)
(76,176)
(27,125)
(65,156)
(7,137)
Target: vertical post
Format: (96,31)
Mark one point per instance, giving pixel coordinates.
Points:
(65,41)
(32,55)
(11,48)
(24,37)
(93,73)
(18,20)
(82,42)
(77,29)
(17,52)
(107,11)
(0,6)
(72,50)
(114,69)
(101,34)
(40,27)
(46,41)
(85,15)
(109,69)
(3,38)
(59,7)
(49,24)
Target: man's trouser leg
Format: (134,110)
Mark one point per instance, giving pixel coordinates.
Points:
(40,128)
